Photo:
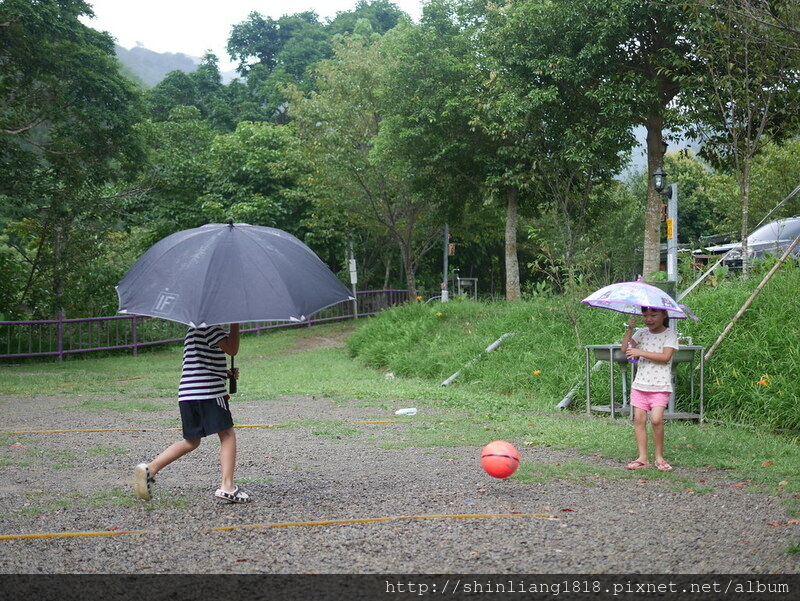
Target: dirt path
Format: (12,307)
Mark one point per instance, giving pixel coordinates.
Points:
(334,496)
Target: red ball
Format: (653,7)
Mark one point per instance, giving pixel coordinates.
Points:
(500,459)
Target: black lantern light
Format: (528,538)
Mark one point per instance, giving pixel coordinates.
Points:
(659,180)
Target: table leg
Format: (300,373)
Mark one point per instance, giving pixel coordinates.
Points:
(611,379)
(588,386)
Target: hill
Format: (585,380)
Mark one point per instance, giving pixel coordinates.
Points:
(150,67)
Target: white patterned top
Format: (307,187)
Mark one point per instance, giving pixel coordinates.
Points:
(650,375)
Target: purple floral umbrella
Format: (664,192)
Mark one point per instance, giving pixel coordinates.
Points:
(630,297)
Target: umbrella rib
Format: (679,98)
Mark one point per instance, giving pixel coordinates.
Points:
(267,252)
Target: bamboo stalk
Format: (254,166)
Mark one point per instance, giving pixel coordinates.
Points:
(703,276)
(753,296)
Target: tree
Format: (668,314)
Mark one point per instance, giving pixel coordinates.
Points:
(778,20)
(255,175)
(284,51)
(176,173)
(628,56)
(86,114)
(750,93)
(203,89)
(66,128)
(382,16)
(176,89)
(263,41)
(427,137)
(196,176)
(339,125)
(775,175)
(703,196)
(555,141)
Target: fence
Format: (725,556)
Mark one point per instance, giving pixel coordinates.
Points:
(63,337)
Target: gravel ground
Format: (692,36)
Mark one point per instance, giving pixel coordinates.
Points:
(330,499)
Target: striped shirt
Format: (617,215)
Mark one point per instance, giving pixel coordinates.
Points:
(204,365)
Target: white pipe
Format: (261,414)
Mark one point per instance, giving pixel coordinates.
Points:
(488,349)
(571,394)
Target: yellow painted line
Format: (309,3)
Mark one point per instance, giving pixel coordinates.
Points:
(157,429)
(75,534)
(486,516)
(385,519)
(124,429)
(81,431)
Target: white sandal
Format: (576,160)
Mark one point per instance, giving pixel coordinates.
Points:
(143,481)
(237,496)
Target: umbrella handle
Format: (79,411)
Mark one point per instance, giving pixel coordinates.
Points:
(232,379)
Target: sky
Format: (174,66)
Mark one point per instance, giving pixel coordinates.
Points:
(193,27)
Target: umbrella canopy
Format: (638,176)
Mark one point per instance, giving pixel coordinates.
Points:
(229,273)
(630,297)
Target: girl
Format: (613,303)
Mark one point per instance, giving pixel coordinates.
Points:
(652,347)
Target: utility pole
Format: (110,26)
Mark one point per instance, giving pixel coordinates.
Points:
(351,264)
(446,267)
(672,233)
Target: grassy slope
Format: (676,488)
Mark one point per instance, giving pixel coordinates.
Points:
(753,378)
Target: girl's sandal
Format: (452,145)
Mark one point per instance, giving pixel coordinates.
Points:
(663,466)
(637,465)
(237,496)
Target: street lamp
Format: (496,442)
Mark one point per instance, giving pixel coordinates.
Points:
(671,193)
(659,180)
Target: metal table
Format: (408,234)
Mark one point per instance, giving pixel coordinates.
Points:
(612,353)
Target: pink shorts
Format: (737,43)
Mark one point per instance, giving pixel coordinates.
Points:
(649,400)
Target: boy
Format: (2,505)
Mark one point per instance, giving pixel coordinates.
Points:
(204,408)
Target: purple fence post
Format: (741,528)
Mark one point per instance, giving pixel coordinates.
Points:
(60,335)
(134,337)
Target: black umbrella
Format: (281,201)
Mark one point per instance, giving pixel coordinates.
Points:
(229,273)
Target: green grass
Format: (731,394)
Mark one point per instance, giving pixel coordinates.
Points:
(120,405)
(40,503)
(335,430)
(54,459)
(104,451)
(752,379)
(150,375)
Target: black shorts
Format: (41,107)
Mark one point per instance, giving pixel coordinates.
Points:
(203,418)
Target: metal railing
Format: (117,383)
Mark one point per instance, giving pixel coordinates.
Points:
(63,337)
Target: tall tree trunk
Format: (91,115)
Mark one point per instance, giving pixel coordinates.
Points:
(408,268)
(745,195)
(387,272)
(652,226)
(512,261)
(59,242)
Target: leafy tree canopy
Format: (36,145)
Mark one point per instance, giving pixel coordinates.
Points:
(66,129)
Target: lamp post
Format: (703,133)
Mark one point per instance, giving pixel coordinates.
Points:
(445,262)
(671,192)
